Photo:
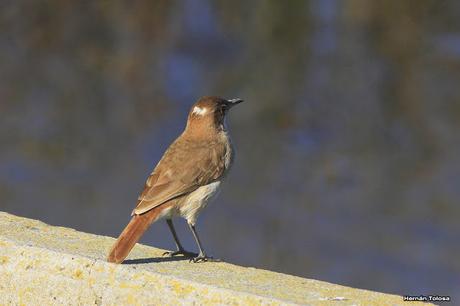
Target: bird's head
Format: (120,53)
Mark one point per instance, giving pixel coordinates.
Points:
(209,113)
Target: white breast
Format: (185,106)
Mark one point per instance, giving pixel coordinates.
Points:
(230,151)
(193,203)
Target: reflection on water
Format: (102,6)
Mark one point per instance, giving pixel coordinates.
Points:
(348,150)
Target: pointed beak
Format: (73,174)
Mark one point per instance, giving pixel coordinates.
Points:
(233,102)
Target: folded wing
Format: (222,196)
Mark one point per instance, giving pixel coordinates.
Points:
(179,173)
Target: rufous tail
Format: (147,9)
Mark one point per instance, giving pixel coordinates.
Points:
(131,235)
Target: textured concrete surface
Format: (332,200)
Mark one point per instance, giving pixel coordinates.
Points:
(43,265)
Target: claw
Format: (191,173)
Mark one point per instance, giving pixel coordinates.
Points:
(200,258)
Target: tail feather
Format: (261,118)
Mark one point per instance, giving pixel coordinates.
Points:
(131,235)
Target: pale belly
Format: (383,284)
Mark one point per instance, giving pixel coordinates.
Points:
(190,206)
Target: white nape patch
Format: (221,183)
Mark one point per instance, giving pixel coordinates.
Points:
(200,111)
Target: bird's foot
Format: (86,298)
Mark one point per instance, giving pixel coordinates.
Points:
(201,258)
(179,252)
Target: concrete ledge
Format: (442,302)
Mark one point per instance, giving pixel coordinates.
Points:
(42,265)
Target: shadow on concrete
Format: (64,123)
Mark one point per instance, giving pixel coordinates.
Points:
(139,261)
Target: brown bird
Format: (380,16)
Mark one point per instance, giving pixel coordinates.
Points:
(188,175)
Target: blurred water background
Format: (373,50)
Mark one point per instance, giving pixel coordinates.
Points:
(348,145)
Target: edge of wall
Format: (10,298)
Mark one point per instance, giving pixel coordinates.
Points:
(43,264)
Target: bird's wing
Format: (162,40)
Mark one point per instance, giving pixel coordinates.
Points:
(179,173)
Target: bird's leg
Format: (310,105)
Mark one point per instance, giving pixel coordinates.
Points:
(201,256)
(180,249)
